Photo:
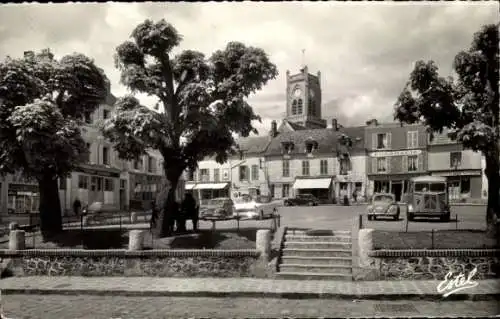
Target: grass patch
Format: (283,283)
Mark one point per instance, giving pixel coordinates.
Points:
(443,239)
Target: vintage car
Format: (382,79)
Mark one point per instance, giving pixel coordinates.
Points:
(99,211)
(302,199)
(217,208)
(383,205)
(428,197)
(258,207)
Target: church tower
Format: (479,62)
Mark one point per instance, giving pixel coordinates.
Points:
(303,99)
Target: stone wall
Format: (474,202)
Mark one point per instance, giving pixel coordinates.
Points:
(435,264)
(161,263)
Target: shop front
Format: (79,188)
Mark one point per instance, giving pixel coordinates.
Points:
(93,183)
(462,184)
(347,184)
(321,188)
(204,192)
(22,198)
(397,184)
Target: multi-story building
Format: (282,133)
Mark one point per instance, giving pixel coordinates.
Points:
(461,167)
(396,152)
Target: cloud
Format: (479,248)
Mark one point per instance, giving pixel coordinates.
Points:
(364,51)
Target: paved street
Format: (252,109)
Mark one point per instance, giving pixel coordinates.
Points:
(95,307)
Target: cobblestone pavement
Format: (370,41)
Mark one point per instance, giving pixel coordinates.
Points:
(96,307)
(156,286)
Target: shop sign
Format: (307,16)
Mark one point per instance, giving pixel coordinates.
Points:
(97,172)
(396,153)
(457,173)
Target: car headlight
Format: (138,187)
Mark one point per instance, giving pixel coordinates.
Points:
(410,208)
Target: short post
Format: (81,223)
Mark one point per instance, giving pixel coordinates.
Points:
(263,243)
(365,245)
(136,239)
(133,217)
(406,224)
(17,240)
(360,221)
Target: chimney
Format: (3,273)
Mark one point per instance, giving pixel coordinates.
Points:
(274,129)
(319,77)
(29,55)
(335,125)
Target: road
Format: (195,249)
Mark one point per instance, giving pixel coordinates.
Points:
(95,307)
(340,218)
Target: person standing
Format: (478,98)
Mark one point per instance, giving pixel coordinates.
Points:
(77,205)
(189,210)
(355,195)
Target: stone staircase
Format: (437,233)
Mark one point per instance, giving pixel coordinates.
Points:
(304,256)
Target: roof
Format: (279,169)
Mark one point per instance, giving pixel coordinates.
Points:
(357,134)
(428,179)
(254,144)
(326,139)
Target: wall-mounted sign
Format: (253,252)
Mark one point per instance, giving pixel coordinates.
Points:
(396,153)
(225,175)
(457,173)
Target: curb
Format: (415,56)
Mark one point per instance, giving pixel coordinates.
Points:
(250,294)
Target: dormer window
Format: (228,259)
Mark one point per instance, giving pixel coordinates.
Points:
(241,154)
(287,147)
(311,146)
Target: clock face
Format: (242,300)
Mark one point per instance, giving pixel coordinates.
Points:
(297,92)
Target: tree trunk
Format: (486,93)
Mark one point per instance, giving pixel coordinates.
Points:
(493,208)
(50,206)
(166,215)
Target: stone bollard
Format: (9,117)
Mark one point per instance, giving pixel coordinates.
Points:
(13,226)
(17,240)
(365,245)
(133,218)
(263,243)
(136,239)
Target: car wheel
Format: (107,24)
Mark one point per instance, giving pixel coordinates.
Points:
(286,203)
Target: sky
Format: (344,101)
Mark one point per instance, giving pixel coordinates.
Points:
(365,51)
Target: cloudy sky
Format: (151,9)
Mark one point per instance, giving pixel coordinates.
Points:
(364,51)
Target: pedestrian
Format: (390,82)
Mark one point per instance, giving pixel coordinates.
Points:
(355,195)
(189,210)
(77,205)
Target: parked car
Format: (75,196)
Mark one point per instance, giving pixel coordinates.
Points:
(258,207)
(99,210)
(428,197)
(217,208)
(383,205)
(302,199)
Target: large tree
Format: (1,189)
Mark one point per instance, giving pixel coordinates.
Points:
(42,102)
(466,107)
(201,102)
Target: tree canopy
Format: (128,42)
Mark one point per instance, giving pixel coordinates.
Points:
(466,106)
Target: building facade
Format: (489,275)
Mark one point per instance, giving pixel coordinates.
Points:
(461,167)
(396,153)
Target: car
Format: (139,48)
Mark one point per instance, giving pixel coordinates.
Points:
(217,208)
(383,205)
(428,197)
(258,207)
(302,199)
(99,210)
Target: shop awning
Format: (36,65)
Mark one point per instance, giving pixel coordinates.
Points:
(211,186)
(190,186)
(312,183)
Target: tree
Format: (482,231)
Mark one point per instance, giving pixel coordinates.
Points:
(42,101)
(466,107)
(203,101)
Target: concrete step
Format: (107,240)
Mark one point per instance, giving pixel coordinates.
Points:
(302,232)
(313,276)
(317,245)
(344,261)
(339,238)
(317,269)
(316,252)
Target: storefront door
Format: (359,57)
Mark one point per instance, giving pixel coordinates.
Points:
(397,189)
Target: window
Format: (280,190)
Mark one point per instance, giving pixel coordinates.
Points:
(105,155)
(286,168)
(108,185)
(311,147)
(99,184)
(105,114)
(382,141)
(287,147)
(204,174)
(137,164)
(455,159)
(89,152)
(323,167)
(255,172)
(412,139)
(216,174)
(243,173)
(272,190)
(285,190)
(465,185)
(305,168)
(294,107)
(344,164)
(381,165)
(83,182)
(299,106)
(412,163)
(93,183)
(123,183)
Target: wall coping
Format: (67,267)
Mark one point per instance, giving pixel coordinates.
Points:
(435,253)
(130,254)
